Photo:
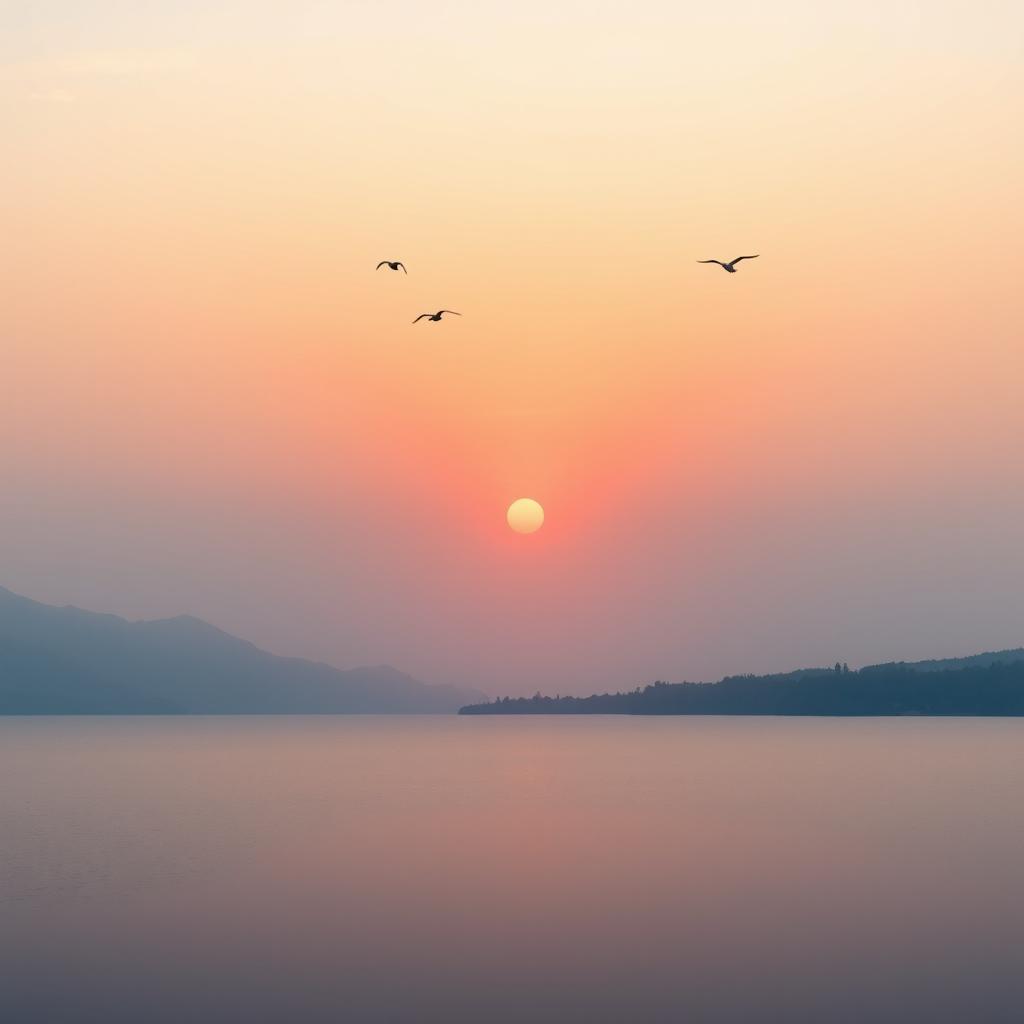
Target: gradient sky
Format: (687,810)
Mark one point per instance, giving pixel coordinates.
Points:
(210,403)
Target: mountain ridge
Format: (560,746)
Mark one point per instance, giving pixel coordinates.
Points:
(68,660)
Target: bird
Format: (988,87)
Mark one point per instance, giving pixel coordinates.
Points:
(730,267)
(393,264)
(435,316)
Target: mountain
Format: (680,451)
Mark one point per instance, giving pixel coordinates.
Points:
(983,684)
(67,661)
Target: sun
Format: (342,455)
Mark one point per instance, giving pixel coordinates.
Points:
(525,515)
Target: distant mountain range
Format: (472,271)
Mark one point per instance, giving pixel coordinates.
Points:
(983,684)
(65,661)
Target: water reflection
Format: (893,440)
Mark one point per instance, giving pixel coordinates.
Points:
(308,869)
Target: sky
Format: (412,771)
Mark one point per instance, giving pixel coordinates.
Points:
(211,403)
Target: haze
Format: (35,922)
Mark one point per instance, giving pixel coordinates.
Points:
(212,403)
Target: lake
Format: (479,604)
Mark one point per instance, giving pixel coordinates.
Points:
(511,869)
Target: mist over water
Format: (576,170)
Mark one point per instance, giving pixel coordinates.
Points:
(436,868)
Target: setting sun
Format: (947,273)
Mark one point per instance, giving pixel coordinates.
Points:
(525,515)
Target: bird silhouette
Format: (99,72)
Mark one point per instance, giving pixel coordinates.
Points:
(435,316)
(730,268)
(393,264)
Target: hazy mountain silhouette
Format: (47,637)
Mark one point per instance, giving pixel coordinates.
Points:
(983,684)
(69,661)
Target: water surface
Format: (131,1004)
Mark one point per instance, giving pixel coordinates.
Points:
(542,869)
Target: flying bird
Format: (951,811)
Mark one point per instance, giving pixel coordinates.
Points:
(435,316)
(393,264)
(730,267)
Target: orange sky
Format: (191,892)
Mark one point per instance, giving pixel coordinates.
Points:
(211,403)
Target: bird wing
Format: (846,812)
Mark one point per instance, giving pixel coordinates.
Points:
(452,311)
(402,265)
(738,258)
(383,263)
(420,317)
(719,262)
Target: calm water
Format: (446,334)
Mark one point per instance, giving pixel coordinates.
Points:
(535,869)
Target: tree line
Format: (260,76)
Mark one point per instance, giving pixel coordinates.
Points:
(897,688)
